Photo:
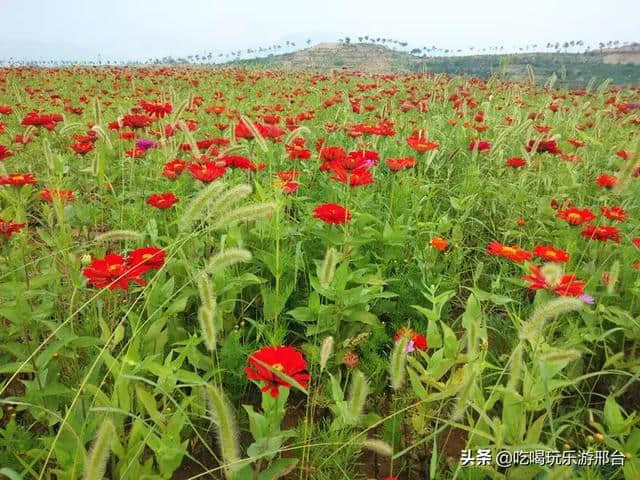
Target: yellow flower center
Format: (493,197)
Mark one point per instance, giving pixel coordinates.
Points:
(278,366)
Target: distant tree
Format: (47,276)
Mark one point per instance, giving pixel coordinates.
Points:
(415,51)
(347,40)
(308,41)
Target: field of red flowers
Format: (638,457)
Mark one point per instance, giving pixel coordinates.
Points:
(252,275)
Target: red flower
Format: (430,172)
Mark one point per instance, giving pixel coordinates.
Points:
(564,285)
(331,154)
(283,359)
(146,258)
(624,154)
(397,164)
(287,176)
(512,252)
(419,340)
(136,152)
(158,110)
(162,200)
(4,153)
(290,187)
(577,143)
(49,194)
(607,181)
(550,254)
(82,147)
(18,179)
(480,145)
(515,162)
(614,213)
(173,168)
(332,213)
(601,233)
(636,242)
(112,271)
(544,146)
(439,244)
(355,178)
(206,172)
(238,161)
(421,145)
(135,121)
(576,216)
(8,228)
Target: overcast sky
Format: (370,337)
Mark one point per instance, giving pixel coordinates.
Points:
(141,29)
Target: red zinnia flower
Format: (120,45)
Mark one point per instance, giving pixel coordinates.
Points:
(4,153)
(624,154)
(146,258)
(355,178)
(419,340)
(288,176)
(607,181)
(439,244)
(8,227)
(601,233)
(18,179)
(550,253)
(576,216)
(173,168)
(136,152)
(544,146)
(49,194)
(515,162)
(206,172)
(290,187)
(577,143)
(480,145)
(512,252)
(614,213)
(283,359)
(564,285)
(397,164)
(332,213)
(421,145)
(112,271)
(135,121)
(162,200)
(82,147)
(297,152)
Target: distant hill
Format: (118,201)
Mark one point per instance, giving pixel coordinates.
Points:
(622,65)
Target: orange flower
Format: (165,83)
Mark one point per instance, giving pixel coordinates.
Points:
(439,244)
(550,253)
(576,216)
(421,145)
(511,252)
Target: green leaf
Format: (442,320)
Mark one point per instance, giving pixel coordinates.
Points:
(278,469)
(149,404)
(10,474)
(535,430)
(450,341)
(632,469)
(613,416)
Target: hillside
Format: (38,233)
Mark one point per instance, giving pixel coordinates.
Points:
(622,65)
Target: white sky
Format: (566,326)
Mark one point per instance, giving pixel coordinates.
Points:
(140,29)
